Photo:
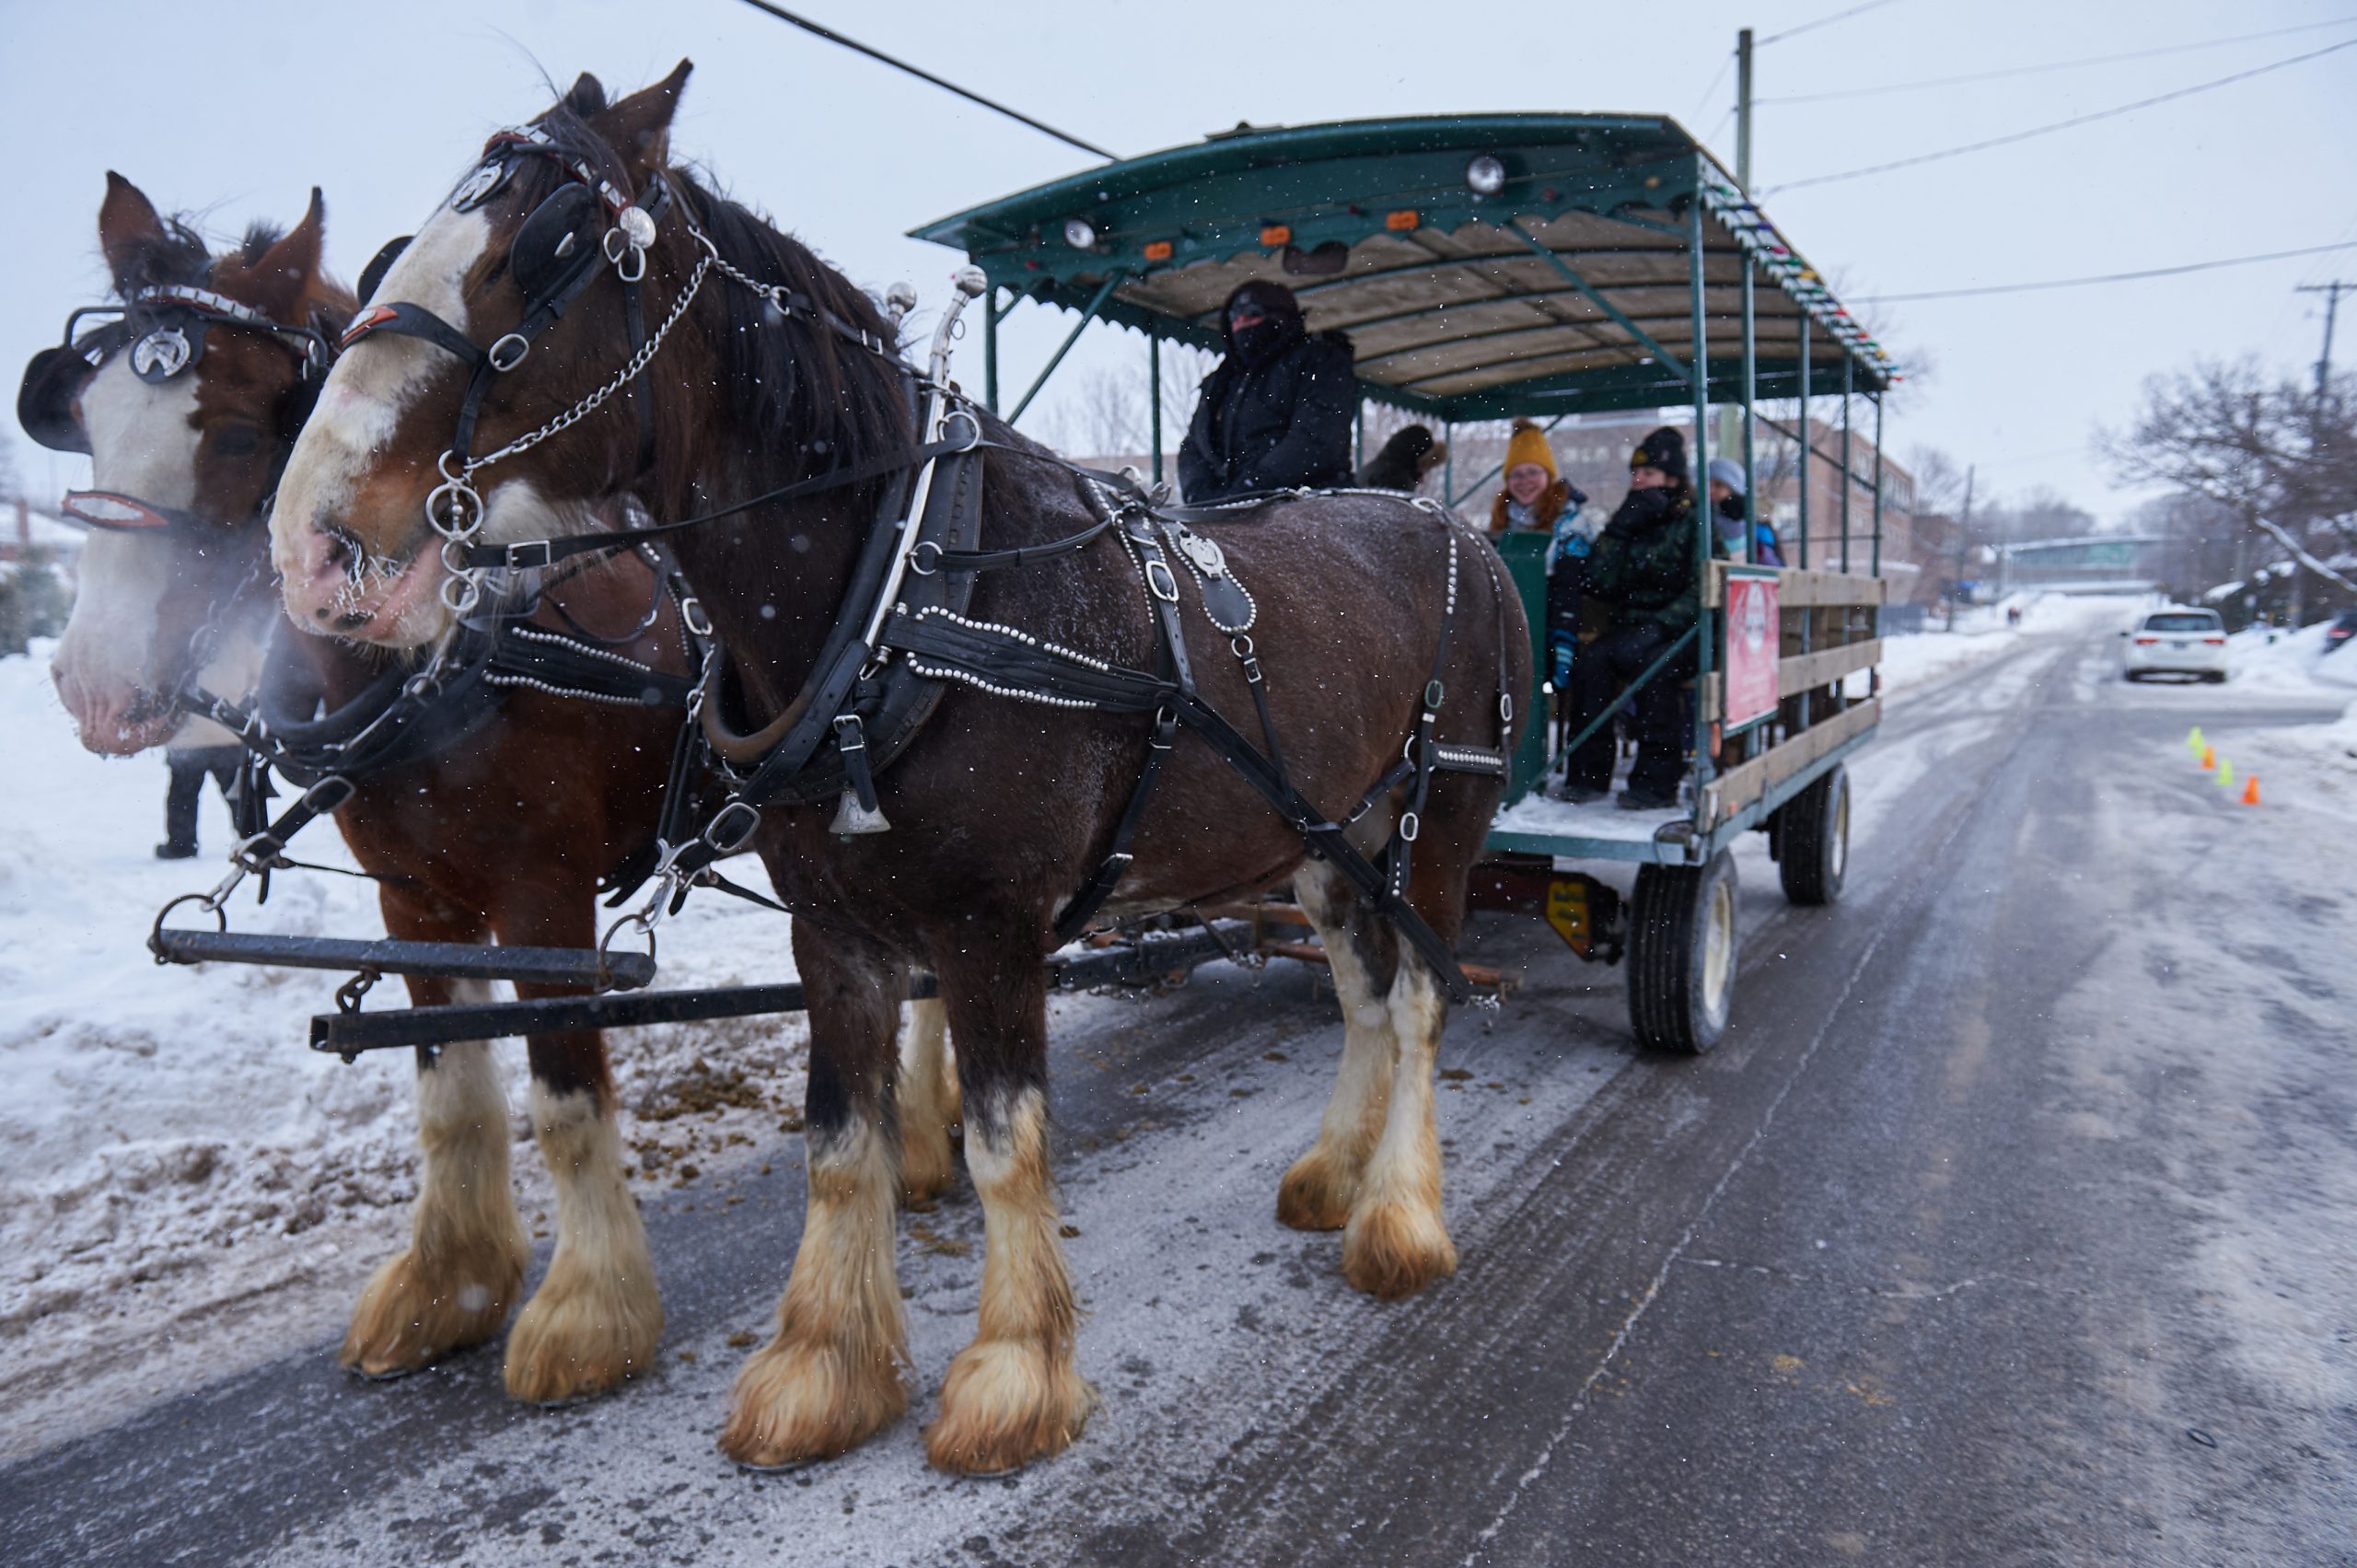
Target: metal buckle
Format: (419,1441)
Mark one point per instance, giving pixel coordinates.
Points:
(918,567)
(723,843)
(531,552)
(1164,587)
(503,361)
(692,616)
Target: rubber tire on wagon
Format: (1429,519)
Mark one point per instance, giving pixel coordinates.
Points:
(1813,839)
(1682,955)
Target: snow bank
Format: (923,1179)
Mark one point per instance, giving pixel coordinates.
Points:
(1980,633)
(2291,662)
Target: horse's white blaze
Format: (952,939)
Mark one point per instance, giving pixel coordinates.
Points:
(143,443)
(376,382)
(143,434)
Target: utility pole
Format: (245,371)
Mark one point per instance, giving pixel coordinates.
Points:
(1728,438)
(1743,110)
(2332,292)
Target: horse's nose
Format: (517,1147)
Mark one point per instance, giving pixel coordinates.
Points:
(314,564)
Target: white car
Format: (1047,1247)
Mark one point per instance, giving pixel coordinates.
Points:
(2175,640)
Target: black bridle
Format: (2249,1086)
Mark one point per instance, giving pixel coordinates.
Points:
(552,265)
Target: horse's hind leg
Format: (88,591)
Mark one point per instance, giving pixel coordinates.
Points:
(1316,1193)
(464,1265)
(1014,1395)
(928,1100)
(832,1377)
(595,1319)
(1397,1242)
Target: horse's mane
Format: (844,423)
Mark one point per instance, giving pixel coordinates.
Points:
(797,383)
(177,255)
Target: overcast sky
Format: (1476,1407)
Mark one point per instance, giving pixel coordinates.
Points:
(236,110)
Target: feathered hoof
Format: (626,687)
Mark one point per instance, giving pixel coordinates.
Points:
(1393,1250)
(1316,1194)
(797,1402)
(1006,1403)
(580,1336)
(416,1310)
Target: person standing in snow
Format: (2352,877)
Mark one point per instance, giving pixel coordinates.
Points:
(1536,499)
(1642,566)
(1277,413)
(201,749)
(1727,508)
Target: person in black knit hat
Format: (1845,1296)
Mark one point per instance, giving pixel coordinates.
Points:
(1643,568)
(1279,409)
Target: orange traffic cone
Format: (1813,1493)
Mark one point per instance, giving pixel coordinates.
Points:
(2209,759)
(2250,791)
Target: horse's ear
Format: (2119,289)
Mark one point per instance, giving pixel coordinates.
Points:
(639,127)
(127,220)
(284,275)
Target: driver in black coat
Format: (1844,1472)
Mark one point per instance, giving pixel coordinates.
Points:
(1278,412)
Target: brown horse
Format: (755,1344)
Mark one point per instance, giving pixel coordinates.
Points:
(764,374)
(503,832)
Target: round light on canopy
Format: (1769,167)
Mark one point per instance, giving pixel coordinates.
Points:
(1080,234)
(1486,176)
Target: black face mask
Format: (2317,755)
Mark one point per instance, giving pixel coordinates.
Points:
(1731,509)
(1256,342)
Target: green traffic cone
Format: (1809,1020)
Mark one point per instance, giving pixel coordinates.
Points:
(2225,774)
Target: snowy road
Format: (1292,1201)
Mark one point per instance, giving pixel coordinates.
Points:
(2009,1225)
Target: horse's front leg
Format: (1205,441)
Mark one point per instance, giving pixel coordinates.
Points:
(1015,1394)
(1361,952)
(464,1265)
(596,1318)
(832,1377)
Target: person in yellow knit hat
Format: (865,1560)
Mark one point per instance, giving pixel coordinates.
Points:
(1536,499)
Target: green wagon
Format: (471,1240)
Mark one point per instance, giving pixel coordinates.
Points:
(1539,266)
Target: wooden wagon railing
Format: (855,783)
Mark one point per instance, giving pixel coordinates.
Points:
(1829,630)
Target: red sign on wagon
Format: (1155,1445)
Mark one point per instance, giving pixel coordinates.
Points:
(1753,646)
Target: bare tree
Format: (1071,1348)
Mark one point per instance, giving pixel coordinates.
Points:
(2277,456)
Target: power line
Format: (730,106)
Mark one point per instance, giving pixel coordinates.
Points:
(2063,125)
(2049,65)
(2108,277)
(1705,101)
(1824,21)
(807,25)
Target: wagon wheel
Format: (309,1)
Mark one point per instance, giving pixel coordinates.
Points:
(1681,954)
(1813,840)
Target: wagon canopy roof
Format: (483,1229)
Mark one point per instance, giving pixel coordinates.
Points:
(1566,288)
